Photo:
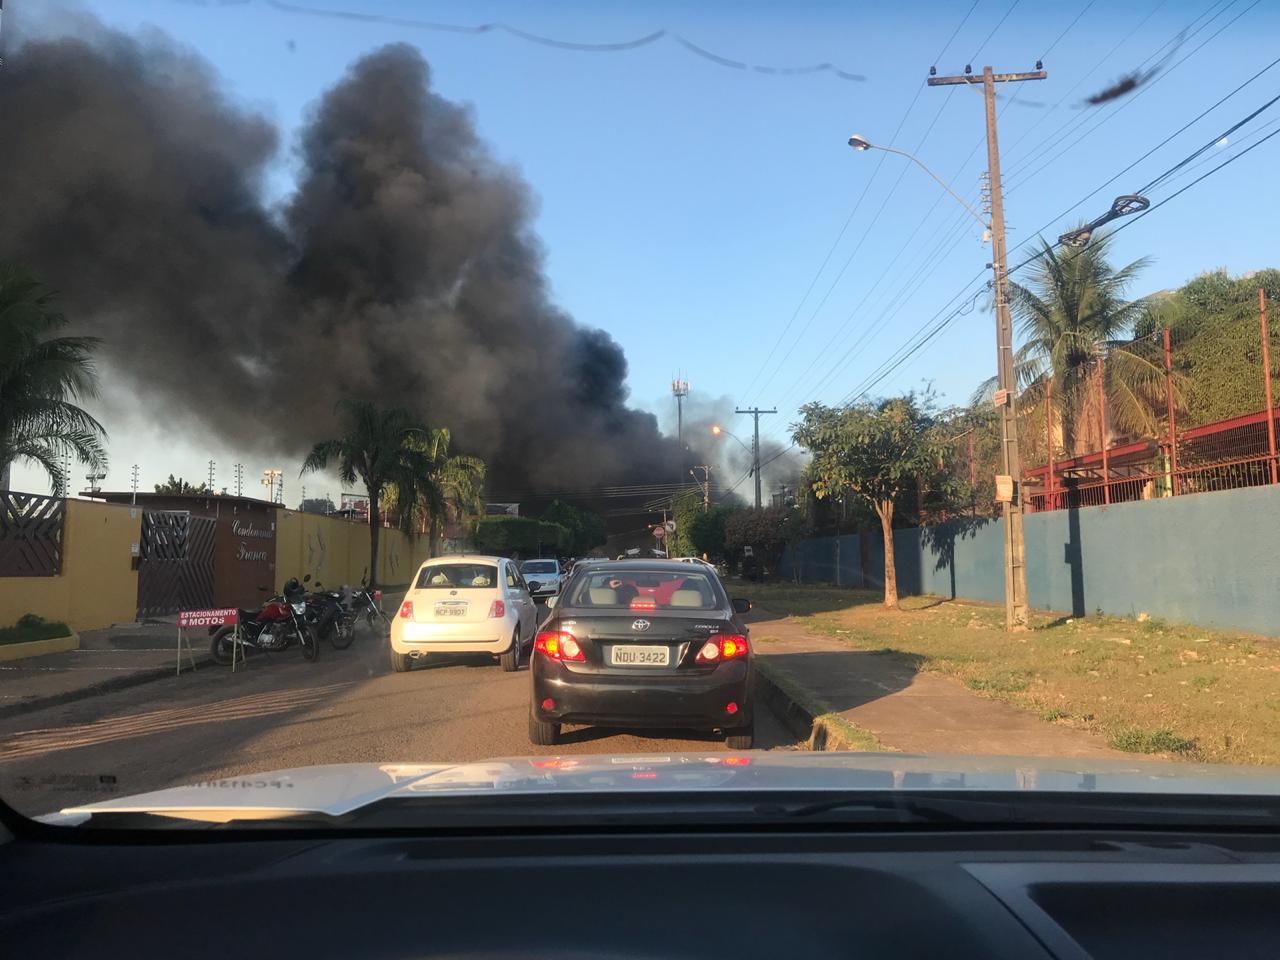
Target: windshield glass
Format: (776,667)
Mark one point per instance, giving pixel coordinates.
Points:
(620,381)
(446,576)
(638,589)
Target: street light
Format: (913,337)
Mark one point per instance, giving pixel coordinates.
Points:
(1120,207)
(862,144)
(717,430)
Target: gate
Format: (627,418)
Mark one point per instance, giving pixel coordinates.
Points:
(31,535)
(175,562)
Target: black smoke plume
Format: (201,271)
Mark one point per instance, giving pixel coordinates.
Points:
(402,268)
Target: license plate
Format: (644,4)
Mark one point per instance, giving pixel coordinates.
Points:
(451,608)
(633,656)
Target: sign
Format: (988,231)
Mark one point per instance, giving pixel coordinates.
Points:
(207,618)
(1004,488)
(1000,397)
(671,526)
(659,532)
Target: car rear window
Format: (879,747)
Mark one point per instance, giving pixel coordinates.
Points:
(458,576)
(644,590)
(539,566)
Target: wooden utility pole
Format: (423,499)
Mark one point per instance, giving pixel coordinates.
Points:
(755,446)
(704,483)
(1015,570)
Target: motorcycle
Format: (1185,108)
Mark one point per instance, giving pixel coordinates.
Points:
(369,603)
(277,625)
(330,615)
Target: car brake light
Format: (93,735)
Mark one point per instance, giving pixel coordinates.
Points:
(644,603)
(558,645)
(406,610)
(725,647)
(497,609)
(737,761)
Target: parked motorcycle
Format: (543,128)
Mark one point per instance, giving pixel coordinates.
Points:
(368,604)
(277,625)
(331,615)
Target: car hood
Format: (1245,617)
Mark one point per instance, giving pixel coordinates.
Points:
(337,789)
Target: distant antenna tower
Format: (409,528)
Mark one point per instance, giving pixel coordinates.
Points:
(680,390)
(65,462)
(212,464)
(134,499)
(239,479)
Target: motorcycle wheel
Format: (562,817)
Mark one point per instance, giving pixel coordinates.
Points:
(220,645)
(310,644)
(342,633)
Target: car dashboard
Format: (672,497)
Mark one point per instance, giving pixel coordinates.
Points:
(680,892)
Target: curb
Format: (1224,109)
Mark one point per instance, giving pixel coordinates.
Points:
(97,689)
(38,648)
(806,716)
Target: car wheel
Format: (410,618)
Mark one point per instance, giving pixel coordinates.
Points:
(511,659)
(400,662)
(743,738)
(543,734)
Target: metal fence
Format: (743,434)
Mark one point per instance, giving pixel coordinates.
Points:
(1173,458)
(31,529)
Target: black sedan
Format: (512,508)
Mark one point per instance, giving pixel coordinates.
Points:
(643,643)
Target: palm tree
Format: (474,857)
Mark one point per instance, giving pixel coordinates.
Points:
(439,483)
(42,374)
(1071,314)
(379,448)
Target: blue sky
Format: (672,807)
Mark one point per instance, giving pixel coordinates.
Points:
(686,207)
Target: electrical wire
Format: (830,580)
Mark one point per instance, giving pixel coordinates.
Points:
(557,44)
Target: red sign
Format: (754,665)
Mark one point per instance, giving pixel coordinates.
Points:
(659,532)
(207,618)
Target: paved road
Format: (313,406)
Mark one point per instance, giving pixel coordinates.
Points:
(347,707)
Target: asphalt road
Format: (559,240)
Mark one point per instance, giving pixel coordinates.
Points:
(285,712)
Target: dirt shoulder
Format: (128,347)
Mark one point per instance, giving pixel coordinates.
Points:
(943,676)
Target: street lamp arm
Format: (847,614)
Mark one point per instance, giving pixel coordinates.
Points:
(942,183)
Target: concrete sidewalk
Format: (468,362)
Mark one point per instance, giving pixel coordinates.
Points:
(111,659)
(805,676)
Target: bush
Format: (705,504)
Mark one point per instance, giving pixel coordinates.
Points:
(506,535)
(31,627)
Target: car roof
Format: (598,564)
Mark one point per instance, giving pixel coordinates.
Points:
(462,558)
(649,566)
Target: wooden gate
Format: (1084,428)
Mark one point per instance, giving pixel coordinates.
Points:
(31,535)
(175,562)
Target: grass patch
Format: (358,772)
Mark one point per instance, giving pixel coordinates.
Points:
(1148,686)
(850,735)
(1135,740)
(826,722)
(31,627)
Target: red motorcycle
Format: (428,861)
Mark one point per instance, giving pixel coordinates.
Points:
(277,625)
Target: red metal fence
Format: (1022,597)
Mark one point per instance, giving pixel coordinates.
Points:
(1227,454)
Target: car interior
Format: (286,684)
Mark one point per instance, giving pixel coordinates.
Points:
(655,590)
(697,890)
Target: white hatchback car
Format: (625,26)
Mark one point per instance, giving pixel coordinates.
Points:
(466,604)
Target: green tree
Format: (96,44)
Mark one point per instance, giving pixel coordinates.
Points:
(878,450)
(526,535)
(585,530)
(177,487)
(379,446)
(437,482)
(707,532)
(685,507)
(1072,312)
(42,375)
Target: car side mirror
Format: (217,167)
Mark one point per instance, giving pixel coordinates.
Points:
(551,602)
(741,605)
(533,585)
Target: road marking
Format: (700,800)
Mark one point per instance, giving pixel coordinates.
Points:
(31,743)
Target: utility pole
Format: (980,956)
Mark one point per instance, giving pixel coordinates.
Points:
(755,445)
(704,483)
(133,500)
(239,479)
(212,464)
(1015,570)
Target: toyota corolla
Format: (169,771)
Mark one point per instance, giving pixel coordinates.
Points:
(644,643)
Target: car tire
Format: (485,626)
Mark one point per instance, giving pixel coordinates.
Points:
(400,662)
(511,659)
(743,738)
(543,734)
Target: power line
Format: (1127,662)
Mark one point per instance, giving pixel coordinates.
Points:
(621,46)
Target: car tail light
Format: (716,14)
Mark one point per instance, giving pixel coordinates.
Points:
(497,609)
(644,603)
(737,761)
(558,645)
(731,708)
(406,610)
(728,646)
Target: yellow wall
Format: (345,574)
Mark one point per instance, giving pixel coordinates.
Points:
(336,551)
(96,559)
